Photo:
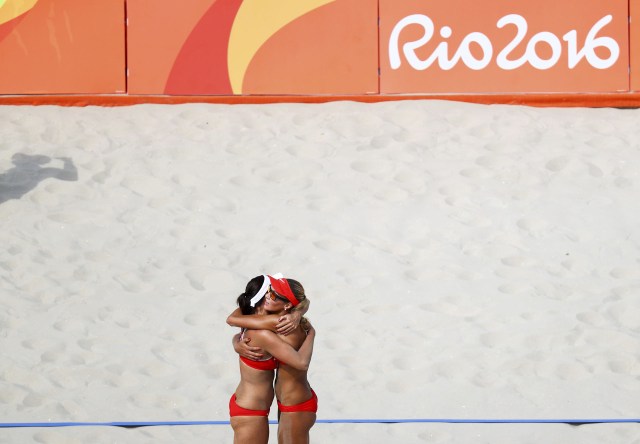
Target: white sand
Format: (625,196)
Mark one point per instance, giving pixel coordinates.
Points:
(463,261)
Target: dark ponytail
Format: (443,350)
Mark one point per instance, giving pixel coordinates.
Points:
(244,300)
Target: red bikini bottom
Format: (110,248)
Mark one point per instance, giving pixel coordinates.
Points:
(311,405)
(236,410)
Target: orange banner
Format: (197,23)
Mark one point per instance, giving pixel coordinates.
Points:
(62,46)
(233,47)
(506,46)
(319,47)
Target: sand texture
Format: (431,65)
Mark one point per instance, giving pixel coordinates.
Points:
(463,261)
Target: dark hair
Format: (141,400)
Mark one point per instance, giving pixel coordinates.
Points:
(244,300)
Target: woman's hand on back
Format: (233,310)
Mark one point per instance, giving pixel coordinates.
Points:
(242,347)
(288,323)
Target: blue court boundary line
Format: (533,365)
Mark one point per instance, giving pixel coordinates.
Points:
(133,425)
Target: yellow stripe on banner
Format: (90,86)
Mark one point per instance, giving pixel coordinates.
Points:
(255,23)
(10,9)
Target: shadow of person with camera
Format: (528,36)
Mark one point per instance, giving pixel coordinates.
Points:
(29,170)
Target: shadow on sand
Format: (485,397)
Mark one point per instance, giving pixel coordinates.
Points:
(29,171)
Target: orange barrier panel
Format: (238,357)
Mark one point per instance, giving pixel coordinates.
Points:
(634,42)
(600,100)
(156,32)
(231,47)
(505,46)
(62,46)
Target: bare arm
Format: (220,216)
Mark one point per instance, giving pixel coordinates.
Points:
(242,347)
(253,322)
(283,352)
(289,322)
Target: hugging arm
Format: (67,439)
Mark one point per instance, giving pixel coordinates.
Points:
(252,322)
(283,352)
(242,347)
(279,324)
(289,322)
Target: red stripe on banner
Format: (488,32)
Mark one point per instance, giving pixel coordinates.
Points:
(201,66)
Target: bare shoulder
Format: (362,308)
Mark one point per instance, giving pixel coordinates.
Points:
(262,336)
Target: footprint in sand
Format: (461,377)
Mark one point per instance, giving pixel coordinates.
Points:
(493,340)
(198,318)
(320,203)
(486,379)
(403,364)
(391,195)
(495,162)
(533,226)
(371,167)
(333,245)
(75,326)
(359,374)
(625,272)
(11,394)
(572,371)
(623,182)
(132,283)
(381,142)
(65,379)
(476,173)
(121,317)
(143,400)
(213,371)
(435,437)
(156,370)
(411,182)
(470,218)
(422,275)
(92,345)
(557,164)
(502,147)
(245,181)
(203,278)
(336,341)
(33,400)
(591,318)
(403,385)
(173,355)
(627,313)
(51,356)
(70,409)
(311,151)
(123,380)
(356,281)
(52,437)
(514,288)
(146,186)
(518,261)
(626,366)
(594,170)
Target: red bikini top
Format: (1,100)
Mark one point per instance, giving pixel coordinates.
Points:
(267,364)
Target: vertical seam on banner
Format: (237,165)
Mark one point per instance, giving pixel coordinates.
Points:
(379,47)
(629,43)
(126,47)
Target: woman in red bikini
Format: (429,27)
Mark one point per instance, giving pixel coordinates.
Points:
(249,405)
(297,402)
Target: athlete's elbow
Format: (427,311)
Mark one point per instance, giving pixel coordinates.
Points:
(300,365)
(230,321)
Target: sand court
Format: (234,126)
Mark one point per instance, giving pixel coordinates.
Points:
(463,261)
